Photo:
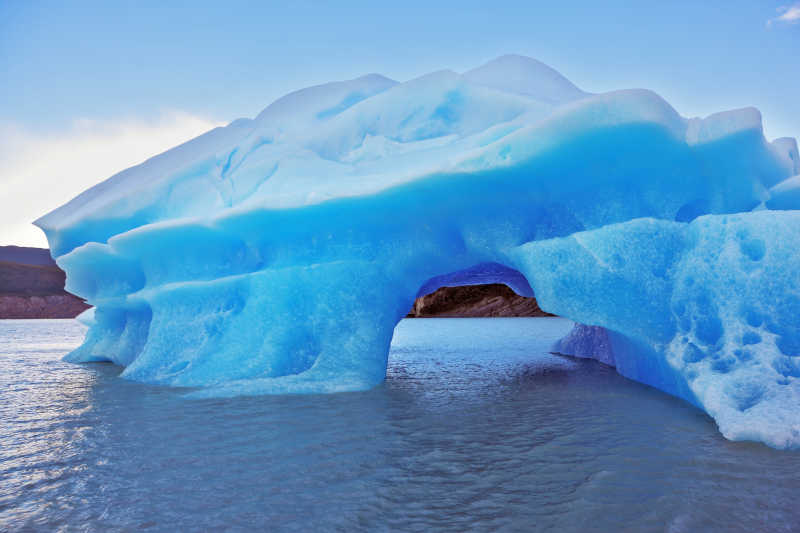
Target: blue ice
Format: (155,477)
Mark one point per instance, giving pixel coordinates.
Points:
(276,255)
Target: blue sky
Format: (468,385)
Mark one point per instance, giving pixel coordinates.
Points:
(116,82)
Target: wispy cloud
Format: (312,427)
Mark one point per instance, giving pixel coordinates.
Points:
(786,15)
(42,171)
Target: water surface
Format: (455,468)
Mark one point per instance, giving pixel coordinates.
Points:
(477,427)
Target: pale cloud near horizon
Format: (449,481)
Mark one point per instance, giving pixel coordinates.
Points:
(788,15)
(42,171)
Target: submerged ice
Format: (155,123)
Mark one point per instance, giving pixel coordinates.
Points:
(276,255)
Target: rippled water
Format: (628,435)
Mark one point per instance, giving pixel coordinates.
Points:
(477,427)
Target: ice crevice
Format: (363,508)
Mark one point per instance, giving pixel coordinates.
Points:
(276,255)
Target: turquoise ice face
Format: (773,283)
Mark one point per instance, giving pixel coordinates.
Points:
(276,255)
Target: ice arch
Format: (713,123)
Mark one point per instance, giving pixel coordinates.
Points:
(276,255)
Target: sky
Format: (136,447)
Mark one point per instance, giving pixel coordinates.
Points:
(90,88)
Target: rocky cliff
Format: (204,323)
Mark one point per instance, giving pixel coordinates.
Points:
(32,286)
(493,300)
(48,306)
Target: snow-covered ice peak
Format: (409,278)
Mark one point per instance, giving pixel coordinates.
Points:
(527,76)
(326,100)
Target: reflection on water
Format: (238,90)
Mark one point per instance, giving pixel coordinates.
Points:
(476,428)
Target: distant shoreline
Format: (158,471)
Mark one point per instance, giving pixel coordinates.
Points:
(32,286)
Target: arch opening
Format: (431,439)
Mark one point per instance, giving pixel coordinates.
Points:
(484,290)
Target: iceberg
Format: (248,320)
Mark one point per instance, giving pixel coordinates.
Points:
(276,255)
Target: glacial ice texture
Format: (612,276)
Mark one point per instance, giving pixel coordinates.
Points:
(276,255)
